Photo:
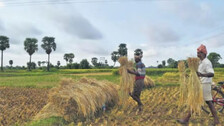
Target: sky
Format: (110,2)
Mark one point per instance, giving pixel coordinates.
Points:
(94,28)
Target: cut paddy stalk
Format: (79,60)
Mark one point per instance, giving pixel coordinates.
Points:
(79,100)
(195,94)
(126,79)
(148,82)
(183,84)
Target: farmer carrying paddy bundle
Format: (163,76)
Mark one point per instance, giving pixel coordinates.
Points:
(205,73)
(139,78)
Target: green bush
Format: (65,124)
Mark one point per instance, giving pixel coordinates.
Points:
(115,72)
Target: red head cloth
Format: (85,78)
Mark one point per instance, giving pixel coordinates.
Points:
(202,49)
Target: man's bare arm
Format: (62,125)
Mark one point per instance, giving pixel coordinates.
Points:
(133,72)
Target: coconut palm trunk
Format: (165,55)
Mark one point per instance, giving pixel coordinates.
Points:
(30,63)
(48,63)
(2,62)
(114,63)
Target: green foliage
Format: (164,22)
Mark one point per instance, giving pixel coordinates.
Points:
(138,52)
(11,62)
(58,64)
(84,64)
(30,45)
(39,63)
(123,50)
(160,66)
(214,58)
(172,63)
(69,57)
(31,65)
(114,56)
(48,45)
(94,61)
(4,43)
(164,63)
(75,65)
(115,72)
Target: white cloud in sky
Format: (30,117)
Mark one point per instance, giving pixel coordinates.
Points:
(73,23)
(160,34)
(2,4)
(165,29)
(190,12)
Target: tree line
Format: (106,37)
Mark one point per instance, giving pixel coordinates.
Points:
(49,45)
(213,57)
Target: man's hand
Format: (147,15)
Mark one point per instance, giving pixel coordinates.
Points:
(133,72)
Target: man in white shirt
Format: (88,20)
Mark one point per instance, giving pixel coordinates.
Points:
(205,73)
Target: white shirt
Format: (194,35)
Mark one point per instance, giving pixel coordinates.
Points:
(205,66)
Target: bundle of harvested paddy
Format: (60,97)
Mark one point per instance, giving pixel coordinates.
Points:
(148,82)
(195,94)
(126,80)
(77,100)
(183,83)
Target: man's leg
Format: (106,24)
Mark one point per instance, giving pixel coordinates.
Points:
(137,92)
(214,112)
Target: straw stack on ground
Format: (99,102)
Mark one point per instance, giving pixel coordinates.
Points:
(126,80)
(148,82)
(183,83)
(78,100)
(195,93)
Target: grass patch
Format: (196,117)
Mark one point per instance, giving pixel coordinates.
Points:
(53,121)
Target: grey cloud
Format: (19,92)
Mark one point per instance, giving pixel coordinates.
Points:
(96,51)
(162,34)
(190,12)
(76,25)
(2,27)
(215,42)
(15,40)
(18,33)
(25,29)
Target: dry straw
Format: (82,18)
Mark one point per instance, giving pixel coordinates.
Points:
(183,83)
(195,94)
(126,80)
(148,82)
(77,100)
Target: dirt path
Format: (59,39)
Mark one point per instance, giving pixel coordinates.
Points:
(20,104)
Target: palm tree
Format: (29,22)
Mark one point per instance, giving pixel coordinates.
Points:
(4,43)
(71,56)
(138,52)
(43,63)
(123,51)
(114,56)
(30,45)
(66,57)
(39,63)
(11,62)
(58,64)
(48,45)
(94,61)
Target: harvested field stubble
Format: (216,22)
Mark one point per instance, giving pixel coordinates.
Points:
(19,105)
